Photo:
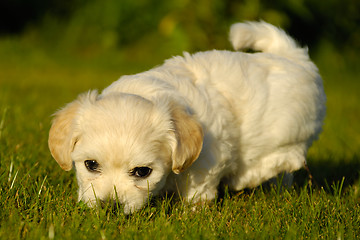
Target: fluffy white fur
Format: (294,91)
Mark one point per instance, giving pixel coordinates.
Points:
(196,120)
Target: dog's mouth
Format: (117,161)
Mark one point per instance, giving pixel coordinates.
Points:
(112,205)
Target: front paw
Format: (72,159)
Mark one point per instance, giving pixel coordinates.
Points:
(196,197)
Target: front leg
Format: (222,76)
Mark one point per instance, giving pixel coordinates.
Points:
(197,189)
(200,194)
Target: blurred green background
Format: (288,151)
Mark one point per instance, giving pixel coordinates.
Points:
(151,30)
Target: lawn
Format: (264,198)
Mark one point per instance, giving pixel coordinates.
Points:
(39,201)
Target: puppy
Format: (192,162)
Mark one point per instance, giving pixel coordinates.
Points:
(195,121)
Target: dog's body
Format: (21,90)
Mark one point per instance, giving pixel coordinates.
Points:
(195,121)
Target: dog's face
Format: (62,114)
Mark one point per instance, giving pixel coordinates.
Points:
(123,146)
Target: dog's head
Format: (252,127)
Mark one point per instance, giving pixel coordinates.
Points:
(123,146)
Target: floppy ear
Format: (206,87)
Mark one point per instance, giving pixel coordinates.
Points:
(61,138)
(189,139)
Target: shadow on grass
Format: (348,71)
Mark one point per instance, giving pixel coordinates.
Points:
(325,172)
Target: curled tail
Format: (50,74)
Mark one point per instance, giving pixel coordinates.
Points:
(262,36)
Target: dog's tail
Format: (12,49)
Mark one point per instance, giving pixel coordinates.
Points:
(262,36)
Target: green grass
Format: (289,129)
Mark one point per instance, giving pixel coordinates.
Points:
(38,199)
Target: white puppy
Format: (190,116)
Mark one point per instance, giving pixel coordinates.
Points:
(195,121)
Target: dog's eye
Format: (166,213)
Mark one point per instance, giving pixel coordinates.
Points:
(92,165)
(141,172)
